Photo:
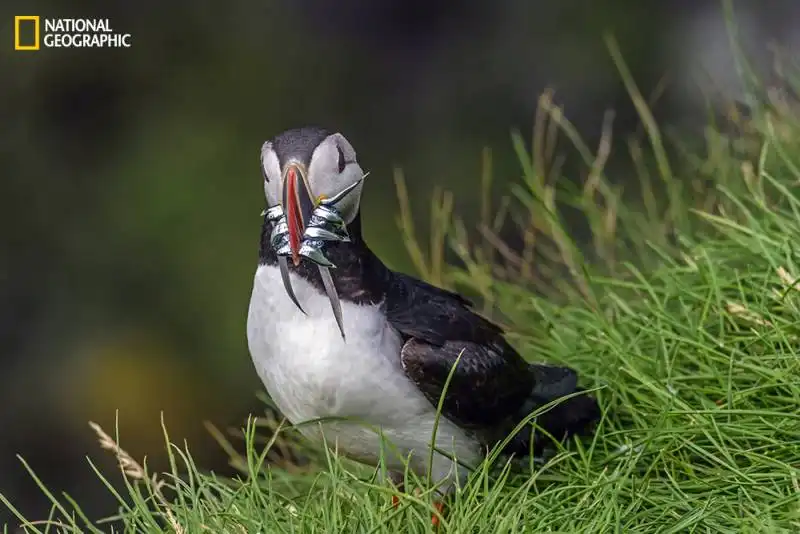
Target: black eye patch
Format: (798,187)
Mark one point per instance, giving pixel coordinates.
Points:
(264,172)
(342,162)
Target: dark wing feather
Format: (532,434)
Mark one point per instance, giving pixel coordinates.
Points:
(485,389)
(435,315)
(491,381)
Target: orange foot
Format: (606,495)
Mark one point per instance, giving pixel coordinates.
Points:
(395,501)
(435,520)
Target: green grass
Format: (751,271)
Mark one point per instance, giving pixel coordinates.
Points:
(681,310)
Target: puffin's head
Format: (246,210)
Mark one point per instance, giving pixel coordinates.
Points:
(304,166)
(313,187)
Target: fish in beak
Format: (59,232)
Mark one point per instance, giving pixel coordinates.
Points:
(311,222)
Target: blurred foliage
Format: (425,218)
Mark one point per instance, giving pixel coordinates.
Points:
(130,188)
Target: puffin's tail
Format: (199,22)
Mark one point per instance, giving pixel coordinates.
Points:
(573,416)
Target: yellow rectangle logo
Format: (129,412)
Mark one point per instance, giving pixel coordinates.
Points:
(18,22)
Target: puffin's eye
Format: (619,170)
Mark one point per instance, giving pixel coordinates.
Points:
(342,163)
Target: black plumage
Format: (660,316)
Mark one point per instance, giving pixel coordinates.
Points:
(492,388)
(298,143)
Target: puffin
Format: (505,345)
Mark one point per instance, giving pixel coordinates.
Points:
(383,368)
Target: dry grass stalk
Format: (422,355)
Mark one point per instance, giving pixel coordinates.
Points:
(134,471)
(740,311)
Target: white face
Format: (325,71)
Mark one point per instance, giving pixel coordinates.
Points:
(332,168)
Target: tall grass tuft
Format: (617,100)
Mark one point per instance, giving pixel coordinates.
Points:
(682,310)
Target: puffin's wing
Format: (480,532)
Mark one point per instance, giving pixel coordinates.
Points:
(484,391)
(491,382)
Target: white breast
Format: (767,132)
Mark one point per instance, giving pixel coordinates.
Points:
(311,373)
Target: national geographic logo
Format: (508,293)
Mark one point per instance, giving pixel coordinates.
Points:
(66,33)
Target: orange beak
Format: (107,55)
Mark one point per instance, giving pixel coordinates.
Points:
(297,204)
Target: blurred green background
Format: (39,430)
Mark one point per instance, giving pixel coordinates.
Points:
(130,188)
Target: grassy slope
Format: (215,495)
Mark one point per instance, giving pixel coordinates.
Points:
(690,341)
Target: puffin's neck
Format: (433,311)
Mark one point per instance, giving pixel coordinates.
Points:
(359,275)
